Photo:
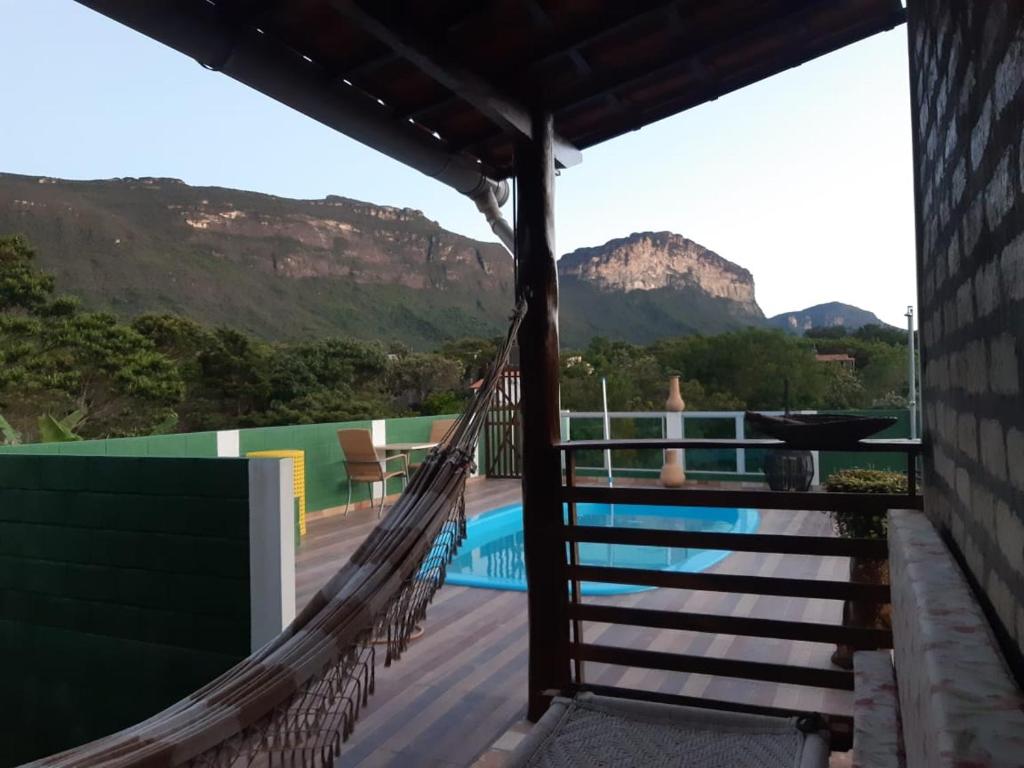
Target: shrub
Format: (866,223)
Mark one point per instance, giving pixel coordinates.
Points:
(857,525)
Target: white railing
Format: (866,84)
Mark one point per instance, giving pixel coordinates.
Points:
(671,425)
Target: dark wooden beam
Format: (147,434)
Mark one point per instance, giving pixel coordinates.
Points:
(543,528)
(774,543)
(801,631)
(697,496)
(708,665)
(469,86)
(821,589)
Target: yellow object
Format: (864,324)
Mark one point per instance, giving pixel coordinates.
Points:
(299,460)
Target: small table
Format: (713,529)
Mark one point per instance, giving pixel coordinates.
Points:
(405,447)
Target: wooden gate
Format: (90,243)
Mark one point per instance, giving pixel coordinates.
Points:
(503,429)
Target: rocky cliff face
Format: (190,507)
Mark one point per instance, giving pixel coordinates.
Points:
(649,261)
(276,267)
(282,268)
(365,243)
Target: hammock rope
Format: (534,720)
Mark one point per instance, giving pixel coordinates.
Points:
(294,701)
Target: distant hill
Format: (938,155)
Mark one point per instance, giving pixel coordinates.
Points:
(288,269)
(827,315)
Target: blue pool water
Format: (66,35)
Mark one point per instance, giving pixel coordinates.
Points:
(492,554)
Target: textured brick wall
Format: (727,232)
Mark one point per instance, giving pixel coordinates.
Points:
(124,585)
(967,91)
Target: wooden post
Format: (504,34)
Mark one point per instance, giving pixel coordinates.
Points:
(544,543)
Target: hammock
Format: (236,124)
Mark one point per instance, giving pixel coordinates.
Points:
(296,699)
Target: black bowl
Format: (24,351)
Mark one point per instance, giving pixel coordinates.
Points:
(819,431)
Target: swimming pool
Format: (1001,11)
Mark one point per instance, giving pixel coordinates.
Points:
(492,554)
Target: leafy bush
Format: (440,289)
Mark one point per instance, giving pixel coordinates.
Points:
(857,525)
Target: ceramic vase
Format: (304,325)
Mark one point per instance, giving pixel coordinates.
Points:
(672,474)
(675,403)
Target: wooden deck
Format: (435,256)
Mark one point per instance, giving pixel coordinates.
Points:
(461,685)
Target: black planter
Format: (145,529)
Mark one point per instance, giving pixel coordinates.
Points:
(789,470)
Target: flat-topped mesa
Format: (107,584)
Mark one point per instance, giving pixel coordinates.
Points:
(647,261)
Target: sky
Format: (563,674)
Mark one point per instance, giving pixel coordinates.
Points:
(805,178)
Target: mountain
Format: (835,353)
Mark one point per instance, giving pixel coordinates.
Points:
(291,269)
(650,285)
(825,316)
(275,267)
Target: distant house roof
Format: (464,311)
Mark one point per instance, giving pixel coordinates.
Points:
(457,75)
(836,358)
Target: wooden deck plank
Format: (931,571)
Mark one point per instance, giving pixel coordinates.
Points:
(459,687)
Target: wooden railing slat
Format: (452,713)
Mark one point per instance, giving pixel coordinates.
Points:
(733,625)
(866,503)
(728,582)
(741,542)
(705,665)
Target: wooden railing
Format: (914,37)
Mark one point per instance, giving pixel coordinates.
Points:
(578,651)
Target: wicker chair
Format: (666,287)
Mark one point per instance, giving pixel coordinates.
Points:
(438,432)
(364,465)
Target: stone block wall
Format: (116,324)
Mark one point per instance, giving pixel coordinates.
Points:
(967,103)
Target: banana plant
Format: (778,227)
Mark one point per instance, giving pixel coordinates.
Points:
(53,430)
(10,435)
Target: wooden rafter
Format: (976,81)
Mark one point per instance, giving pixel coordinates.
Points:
(483,96)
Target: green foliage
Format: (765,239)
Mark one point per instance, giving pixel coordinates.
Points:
(844,388)
(828,332)
(473,354)
(61,366)
(880,358)
(10,435)
(52,430)
(751,366)
(23,288)
(884,333)
(164,373)
(857,524)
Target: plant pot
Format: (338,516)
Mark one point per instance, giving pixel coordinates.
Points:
(789,470)
(864,613)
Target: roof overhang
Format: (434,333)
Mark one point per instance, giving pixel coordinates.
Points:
(447,86)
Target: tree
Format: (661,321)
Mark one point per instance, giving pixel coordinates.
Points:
(23,288)
(843,388)
(884,333)
(57,359)
(475,355)
(829,332)
(751,365)
(414,378)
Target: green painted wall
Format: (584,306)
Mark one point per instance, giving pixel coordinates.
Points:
(124,586)
(325,471)
(196,445)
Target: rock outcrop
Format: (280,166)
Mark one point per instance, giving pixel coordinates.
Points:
(648,261)
(283,268)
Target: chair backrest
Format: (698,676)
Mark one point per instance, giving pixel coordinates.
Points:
(357,446)
(439,430)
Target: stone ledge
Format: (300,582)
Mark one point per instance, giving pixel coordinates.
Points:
(959,704)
